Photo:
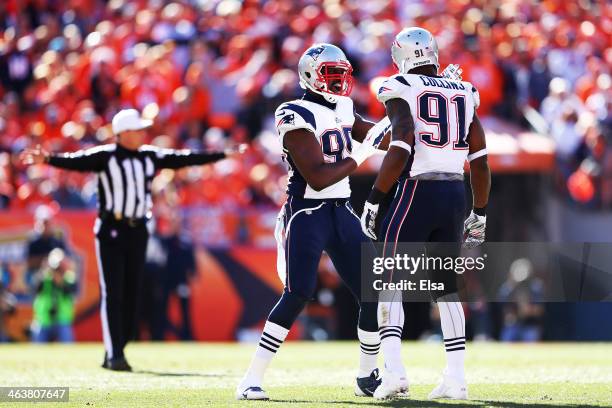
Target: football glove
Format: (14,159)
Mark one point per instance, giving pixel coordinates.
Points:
(371,141)
(362,153)
(452,72)
(474,230)
(368,219)
(377,132)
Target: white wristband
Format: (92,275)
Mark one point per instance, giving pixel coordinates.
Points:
(401,145)
(477,154)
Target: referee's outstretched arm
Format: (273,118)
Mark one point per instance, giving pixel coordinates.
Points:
(92,159)
(174,159)
(95,158)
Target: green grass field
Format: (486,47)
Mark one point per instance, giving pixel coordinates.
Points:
(309,374)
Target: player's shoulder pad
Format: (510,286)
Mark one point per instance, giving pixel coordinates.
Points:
(393,87)
(294,115)
(474,92)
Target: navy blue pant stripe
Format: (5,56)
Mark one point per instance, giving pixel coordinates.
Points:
(392,223)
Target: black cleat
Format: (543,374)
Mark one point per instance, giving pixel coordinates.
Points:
(366,386)
(117,364)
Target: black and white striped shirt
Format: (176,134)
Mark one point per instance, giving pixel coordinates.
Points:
(125,176)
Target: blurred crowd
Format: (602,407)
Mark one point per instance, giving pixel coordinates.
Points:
(213,71)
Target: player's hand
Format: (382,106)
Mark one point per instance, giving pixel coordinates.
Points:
(474,230)
(235,150)
(362,153)
(368,219)
(452,72)
(371,141)
(36,155)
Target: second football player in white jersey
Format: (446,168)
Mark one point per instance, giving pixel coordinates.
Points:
(434,130)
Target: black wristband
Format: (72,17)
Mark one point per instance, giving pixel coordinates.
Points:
(480,211)
(376,196)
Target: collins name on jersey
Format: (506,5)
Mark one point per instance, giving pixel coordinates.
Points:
(442,111)
(332,129)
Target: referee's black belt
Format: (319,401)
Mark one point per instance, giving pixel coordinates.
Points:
(128,221)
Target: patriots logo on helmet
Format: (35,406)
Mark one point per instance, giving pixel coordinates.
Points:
(315,52)
(383,89)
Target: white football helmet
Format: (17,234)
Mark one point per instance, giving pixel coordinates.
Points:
(414,47)
(324,69)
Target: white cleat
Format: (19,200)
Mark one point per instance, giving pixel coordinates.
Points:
(251,393)
(450,388)
(392,385)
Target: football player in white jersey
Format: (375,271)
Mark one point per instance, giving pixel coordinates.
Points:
(434,130)
(317,133)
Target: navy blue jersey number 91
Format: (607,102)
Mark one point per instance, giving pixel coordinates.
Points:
(441,119)
(335,144)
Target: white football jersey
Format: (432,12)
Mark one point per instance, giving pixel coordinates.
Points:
(442,111)
(331,125)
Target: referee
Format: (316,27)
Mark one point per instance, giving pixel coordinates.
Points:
(125,171)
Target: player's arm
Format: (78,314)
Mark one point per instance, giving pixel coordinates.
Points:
(92,159)
(381,131)
(305,152)
(402,138)
(480,174)
(480,179)
(176,159)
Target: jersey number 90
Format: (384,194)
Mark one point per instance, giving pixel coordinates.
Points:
(336,145)
(440,118)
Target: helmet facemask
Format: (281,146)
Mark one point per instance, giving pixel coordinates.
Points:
(335,78)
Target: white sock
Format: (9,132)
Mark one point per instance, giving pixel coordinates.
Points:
(370,345)
(391,342)
(272,337)
(452,320)
(390,325)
